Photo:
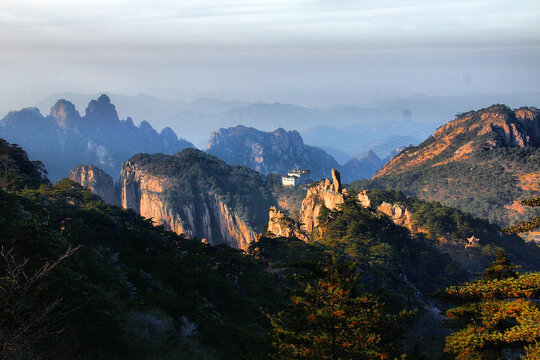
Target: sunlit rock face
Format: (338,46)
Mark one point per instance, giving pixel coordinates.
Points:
(328,193)
(494,127)
(483,163)
(281,225)
(98,181)
(195,194)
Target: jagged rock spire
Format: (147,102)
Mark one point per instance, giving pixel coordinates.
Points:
(336,181)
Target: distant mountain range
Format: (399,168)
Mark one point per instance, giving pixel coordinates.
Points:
(64,139)
(412,118)
(280,151)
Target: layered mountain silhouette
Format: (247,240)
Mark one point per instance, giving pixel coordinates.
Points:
(64,138)
(280,151)
(362,167)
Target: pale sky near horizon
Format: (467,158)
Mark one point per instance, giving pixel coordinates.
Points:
(306,52)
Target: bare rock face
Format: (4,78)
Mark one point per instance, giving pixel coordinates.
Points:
(65,114)
(206,216)
(97,180)
(400,215)
(336,180)
(472,157)
(324,193)
(281,225)
(101,110)
(494,127)
(364,199)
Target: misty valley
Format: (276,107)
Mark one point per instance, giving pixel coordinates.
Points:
(122,242)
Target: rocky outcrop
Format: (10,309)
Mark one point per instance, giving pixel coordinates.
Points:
(269,152)
(97,180)
(101,110)
(281,225)
(324,193)
(399,214)
(183,203)
(65,114)
(364,199)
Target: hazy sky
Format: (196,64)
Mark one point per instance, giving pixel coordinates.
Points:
(307,52)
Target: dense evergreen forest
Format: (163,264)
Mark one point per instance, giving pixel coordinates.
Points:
(84,280)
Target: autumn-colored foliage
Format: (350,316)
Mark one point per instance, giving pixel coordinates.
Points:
(328,319)
(528,225)
(499,312)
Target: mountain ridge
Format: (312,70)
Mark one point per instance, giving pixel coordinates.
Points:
(482,162)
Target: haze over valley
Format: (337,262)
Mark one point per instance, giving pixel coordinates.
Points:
(232,180)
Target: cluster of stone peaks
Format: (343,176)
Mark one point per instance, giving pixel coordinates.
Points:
(64,139)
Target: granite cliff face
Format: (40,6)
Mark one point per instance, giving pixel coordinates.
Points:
(196,194)
(328,193)
(399,214)
(269,152)
(281,225)
(63,139)
(98,181)
(483,163)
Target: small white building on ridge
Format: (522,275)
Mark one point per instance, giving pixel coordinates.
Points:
(295,177)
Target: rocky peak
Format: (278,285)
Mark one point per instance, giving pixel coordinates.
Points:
(168,134)
(146,128)
(269,152)
(281,225)
(101,110)
(97,180)
(361,168)
(64,113)
(493,127)
(508,128)
(370,155)
(336,181)
(364,199)
(399,214)
(328,193)
(25,117)
(191,193)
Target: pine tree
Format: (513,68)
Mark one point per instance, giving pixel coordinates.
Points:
(501,268)
(495,313)
(328,319)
